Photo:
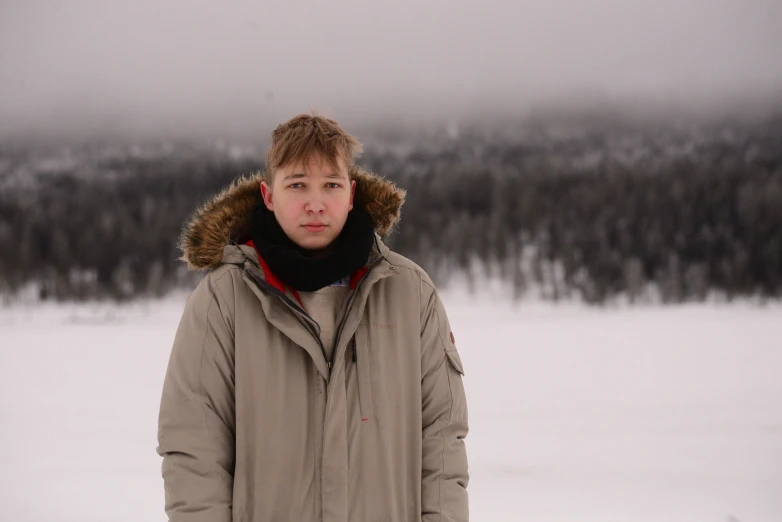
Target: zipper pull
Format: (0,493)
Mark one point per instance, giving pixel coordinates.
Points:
(355,354)
(329,364)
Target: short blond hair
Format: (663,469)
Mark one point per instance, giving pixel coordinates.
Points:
(305,136)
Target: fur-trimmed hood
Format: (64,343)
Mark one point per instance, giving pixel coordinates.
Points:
(225,218)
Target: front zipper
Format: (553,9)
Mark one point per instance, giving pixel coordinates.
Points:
(350,302)
(309,321)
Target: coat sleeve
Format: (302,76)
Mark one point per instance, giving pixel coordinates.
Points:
(196,424)
(444,414)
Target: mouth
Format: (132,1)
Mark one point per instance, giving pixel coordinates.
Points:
(314,227)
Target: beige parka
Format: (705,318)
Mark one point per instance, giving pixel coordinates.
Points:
(255,424)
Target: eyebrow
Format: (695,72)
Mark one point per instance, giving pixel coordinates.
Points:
(299,175)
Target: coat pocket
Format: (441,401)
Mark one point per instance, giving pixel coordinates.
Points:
(363,369)
(455,360)
(458,396)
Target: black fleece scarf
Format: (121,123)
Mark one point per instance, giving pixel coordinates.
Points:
(303,269)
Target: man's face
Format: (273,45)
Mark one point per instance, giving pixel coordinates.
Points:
(311,202)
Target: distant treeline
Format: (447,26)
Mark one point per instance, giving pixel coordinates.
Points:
(685,229)
(574,218)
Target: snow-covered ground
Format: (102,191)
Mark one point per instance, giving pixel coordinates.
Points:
(577,414)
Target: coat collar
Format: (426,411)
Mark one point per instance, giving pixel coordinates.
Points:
(217,232)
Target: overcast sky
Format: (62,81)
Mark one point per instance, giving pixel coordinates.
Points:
(184,64)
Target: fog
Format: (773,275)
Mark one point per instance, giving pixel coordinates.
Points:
(185,66)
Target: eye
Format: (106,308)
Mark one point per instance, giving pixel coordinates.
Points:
(333,185)
(295,185)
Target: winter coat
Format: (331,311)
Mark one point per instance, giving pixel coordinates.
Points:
(256,426)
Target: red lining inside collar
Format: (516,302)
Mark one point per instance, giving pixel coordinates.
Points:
(277,283)
(356,277)
(271,278)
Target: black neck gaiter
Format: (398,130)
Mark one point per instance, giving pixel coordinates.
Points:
(306,270)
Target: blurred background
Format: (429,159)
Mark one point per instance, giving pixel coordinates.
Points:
(596,187)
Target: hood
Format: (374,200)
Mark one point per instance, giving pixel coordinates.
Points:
(225,218)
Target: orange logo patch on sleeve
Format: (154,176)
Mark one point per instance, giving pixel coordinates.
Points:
(452,339)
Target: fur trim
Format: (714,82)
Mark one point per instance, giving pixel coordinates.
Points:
(225,217)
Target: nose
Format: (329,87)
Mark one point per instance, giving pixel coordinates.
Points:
(314,206)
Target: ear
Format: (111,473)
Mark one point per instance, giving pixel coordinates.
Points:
(352,193)
(266,191)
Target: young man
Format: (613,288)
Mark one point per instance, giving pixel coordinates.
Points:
(314,375)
